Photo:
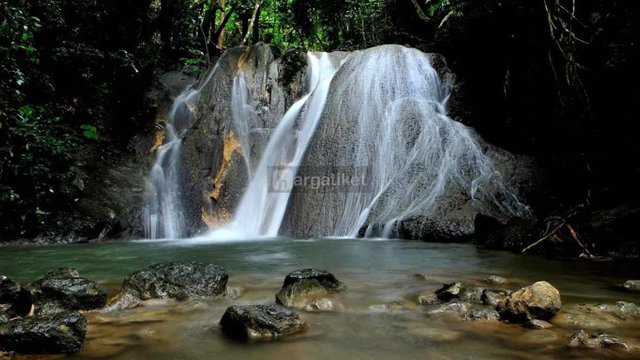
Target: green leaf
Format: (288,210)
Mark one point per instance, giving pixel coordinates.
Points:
(89,131)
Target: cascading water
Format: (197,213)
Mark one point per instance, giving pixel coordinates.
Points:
(261,209)
(385,111)
(243,117)
(415,153)
(163,211)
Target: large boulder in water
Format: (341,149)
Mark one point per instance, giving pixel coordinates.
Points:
(303,289)
(385,125)
(261,322)
(66,289)
(14,299)
(60,333)
(177,280)
(538,301)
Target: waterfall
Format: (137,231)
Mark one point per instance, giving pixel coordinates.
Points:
(243,117)
(163,210)
(386,113)
(380,113)
(262,207)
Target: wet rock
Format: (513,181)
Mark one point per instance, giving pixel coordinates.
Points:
(538,324)
(582,339)
(451,291)
(496,280)
(17,299)
(428,299)
(453,307)
(47,309)
(302,287)
(261,322)
(538,301)
(632,285)
(177,280)
(621,309)
(61,333)
(4,316)
(323,305)
(473,295)
(596,317)
(482,314)
(124,301)
(493,297)
(68,290)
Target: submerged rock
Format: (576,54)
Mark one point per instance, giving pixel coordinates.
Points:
(601,316)
(538,324)
(496,280)
(582,339)
(473,295)
(177,280)
(303,287)
(60,333)
(428,299)
(451,291)
(538,301)
(493,297)
(67,290)
(261,322)
(17,300)
(453,307)
(482,314)
(632,285)
(323,305)
(123,301)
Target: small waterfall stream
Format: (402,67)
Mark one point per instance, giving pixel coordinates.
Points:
(262,209)
(162,214)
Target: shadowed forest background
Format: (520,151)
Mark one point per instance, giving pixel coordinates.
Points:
(554,79)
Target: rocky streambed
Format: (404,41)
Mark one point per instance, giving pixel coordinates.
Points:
(273,299)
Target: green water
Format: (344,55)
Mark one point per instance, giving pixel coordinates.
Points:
(377,273)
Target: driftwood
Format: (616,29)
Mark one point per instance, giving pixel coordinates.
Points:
(557,223)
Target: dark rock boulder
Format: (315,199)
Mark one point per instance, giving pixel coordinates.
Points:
(303,287)
(261,322)
(425,229)
(538,301)
(177,280)
(451,291)
(582,339)
(60,333)
(68,290)
(16,299)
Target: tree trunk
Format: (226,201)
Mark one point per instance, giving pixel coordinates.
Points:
(256,27)
(218,37)
(252,22)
